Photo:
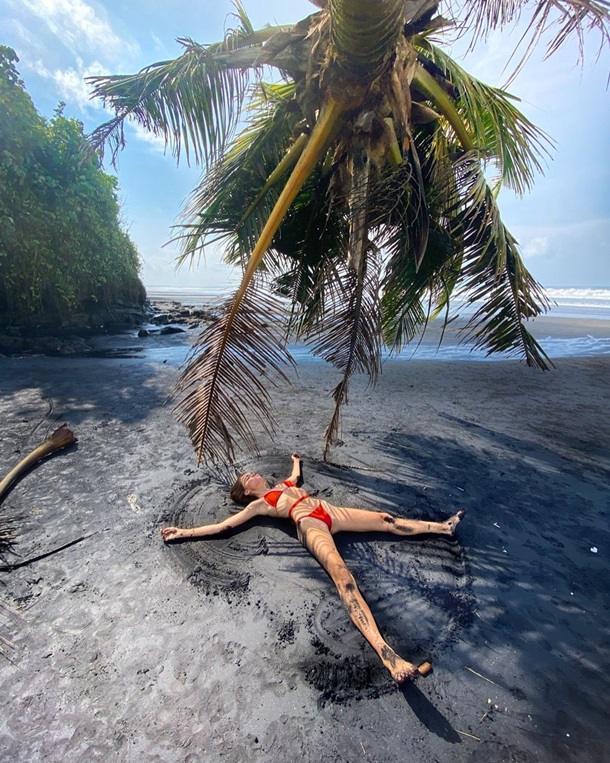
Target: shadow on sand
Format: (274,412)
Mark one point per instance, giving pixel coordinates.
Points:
(428,714)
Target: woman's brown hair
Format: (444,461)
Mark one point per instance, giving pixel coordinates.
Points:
(238,493)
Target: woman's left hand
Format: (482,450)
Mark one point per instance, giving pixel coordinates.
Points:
(295,457)
(172,533)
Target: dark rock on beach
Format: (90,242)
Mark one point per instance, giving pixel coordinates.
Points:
(43,335)
(166,313)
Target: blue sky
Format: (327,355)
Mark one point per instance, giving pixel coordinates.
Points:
(563,225)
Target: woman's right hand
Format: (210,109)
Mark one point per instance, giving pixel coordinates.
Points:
(173,533)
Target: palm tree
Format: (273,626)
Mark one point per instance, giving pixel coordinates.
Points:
(357,191)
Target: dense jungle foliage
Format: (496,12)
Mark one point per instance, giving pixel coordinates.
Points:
(62,248)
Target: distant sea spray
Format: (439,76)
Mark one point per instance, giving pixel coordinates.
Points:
(188,295)
(580,303)
(595,300)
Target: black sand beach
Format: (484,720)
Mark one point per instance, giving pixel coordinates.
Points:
(237,649)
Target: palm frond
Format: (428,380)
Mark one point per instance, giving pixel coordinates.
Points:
(360,172)
(411,297)
(494,279)
(409,281)
(309,286)
(194,101)
(286,163)
(503,135)
(244,27)
(225,388)
(216,209)
(558,20)
(468,249)
(312,241)
(349,335)
(409,163)
(428,86)
(191,102)
(211,419)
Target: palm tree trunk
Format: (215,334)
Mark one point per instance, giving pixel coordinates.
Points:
(363,34)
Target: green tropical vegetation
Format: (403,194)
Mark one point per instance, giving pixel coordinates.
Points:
(61,243)
(360,186)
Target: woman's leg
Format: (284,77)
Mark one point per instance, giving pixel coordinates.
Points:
(346,519)
(315,536)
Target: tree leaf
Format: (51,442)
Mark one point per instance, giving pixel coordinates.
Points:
(225,388)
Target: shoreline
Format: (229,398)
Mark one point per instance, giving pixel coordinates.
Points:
(564,337)
(591,336)
(238,649)
(560,337)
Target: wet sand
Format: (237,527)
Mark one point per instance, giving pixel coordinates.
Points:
(237,649)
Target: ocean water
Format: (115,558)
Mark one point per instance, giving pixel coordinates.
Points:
(580,303)
(578,324)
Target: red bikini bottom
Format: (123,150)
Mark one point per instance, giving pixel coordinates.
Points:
(318,513)
(321,514)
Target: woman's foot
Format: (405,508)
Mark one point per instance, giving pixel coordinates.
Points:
(400,669)
(450,525)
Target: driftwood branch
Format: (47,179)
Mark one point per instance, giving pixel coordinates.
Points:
(61,438)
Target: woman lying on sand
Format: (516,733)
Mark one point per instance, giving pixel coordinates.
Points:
(317,521)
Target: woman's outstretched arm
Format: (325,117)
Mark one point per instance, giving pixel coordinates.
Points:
(297,469)
(254,509)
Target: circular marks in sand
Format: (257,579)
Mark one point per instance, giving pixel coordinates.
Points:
(420,595)
(214,566)
(419,590)
(223,565)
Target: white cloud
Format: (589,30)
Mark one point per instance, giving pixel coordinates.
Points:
(575,255)
(70,82)
(159,44)
(81,29)
(72,87)
(96,49)
(15,28)
(536,246)
(37,66)
(157,142)
(592,226)
(549,242)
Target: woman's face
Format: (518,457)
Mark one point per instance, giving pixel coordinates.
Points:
(253,483)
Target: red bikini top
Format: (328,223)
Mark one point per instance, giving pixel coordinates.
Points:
(273,496)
